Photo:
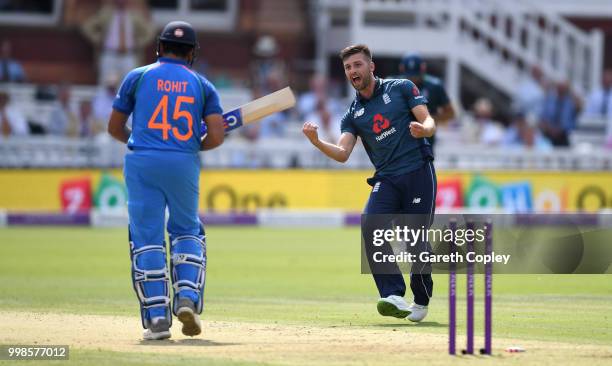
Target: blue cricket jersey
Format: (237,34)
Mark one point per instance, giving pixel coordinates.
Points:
(168,102)
(383,123)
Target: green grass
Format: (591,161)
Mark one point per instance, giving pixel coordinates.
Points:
(289,276)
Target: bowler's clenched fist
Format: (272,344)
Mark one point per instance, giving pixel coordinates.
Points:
(310,131)
(418,130)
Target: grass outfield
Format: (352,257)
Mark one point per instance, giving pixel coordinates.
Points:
(294,280)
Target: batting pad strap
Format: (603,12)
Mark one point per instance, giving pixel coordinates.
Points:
(141,275)
(153,301)
(149,248)
(186,285)
(198,238)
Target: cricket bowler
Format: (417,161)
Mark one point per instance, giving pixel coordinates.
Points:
(391,118)
(167,101)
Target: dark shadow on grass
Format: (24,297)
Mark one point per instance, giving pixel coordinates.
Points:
(410,324)
(194,342)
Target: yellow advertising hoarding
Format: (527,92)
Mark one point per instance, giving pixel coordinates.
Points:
(246,190)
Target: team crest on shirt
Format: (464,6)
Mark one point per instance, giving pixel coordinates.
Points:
(359,113)
(386,98)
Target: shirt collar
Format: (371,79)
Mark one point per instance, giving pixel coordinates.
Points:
(376,91)
(171,60)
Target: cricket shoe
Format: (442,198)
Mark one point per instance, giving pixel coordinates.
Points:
(187,315)
(394,306)
(159,329)
(417,312)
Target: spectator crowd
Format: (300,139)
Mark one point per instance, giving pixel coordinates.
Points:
(544,113)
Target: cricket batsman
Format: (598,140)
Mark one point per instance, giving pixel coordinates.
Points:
(167,101)
(391,118)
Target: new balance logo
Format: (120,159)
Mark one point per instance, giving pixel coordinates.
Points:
(416,200)
(376,187)
(359,113)
(386,98)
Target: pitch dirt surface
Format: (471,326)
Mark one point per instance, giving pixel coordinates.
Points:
(279,344)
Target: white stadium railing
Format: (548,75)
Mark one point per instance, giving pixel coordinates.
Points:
(102,152)
(498,40)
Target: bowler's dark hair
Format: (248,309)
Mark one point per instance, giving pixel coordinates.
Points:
(355,49)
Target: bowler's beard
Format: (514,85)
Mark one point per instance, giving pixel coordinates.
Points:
(365,82)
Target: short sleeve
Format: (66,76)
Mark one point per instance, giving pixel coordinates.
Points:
(212,104)
(412,94)
(346,123)
(125,98)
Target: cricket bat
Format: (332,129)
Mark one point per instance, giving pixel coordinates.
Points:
(257,109)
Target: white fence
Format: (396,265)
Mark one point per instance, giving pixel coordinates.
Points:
(498,40)
(53,152)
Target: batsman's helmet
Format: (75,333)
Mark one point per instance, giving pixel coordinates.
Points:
(179,32)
